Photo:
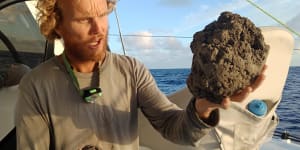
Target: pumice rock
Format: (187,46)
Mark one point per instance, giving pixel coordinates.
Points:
(228,55)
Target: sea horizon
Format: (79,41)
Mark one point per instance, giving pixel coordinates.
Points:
(189,68)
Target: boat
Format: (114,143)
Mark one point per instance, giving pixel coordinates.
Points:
(23,44)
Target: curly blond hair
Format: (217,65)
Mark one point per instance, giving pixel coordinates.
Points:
(49,15)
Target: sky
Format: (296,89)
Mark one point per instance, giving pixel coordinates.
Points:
(182,18)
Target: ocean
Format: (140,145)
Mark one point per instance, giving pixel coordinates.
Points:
(171,80)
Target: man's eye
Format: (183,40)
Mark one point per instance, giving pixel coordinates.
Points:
(84,20)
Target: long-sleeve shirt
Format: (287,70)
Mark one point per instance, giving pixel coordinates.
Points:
(51,114)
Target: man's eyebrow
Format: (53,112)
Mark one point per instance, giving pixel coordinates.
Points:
(87,14)
(104,13)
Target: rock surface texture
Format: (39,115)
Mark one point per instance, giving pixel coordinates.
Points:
(228,55)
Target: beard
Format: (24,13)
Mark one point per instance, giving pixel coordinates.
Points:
(80,51)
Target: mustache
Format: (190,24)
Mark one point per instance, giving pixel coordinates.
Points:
(97,38)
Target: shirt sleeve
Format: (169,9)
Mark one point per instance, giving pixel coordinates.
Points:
(31,119)
(181,126)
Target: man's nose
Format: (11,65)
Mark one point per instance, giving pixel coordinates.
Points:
(98,25)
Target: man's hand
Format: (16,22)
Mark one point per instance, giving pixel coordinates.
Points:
(205,107)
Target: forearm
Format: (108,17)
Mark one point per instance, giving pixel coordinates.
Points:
(182,126)
(177,125)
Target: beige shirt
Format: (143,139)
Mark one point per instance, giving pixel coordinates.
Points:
(51,113)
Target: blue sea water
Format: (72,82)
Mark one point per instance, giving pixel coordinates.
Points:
(171,80)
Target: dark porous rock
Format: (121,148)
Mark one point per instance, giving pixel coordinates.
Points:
(228,55)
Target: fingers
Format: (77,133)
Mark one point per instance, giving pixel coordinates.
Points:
(264,69)
(225,103)
(259,79)
(241,95)
(258,82)
(205,107)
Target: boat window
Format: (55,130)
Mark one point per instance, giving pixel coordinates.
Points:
(19,26)
(5,56)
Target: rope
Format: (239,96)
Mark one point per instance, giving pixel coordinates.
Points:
(277,20)
(156,36)
(183,37)
(120,33)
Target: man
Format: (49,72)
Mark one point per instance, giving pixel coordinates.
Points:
(55,110)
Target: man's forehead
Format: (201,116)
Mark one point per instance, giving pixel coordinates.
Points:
(78,1)
(86,7)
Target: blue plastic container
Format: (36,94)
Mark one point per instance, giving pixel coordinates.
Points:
(258,107)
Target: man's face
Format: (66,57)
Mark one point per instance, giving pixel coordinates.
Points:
(84,28)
